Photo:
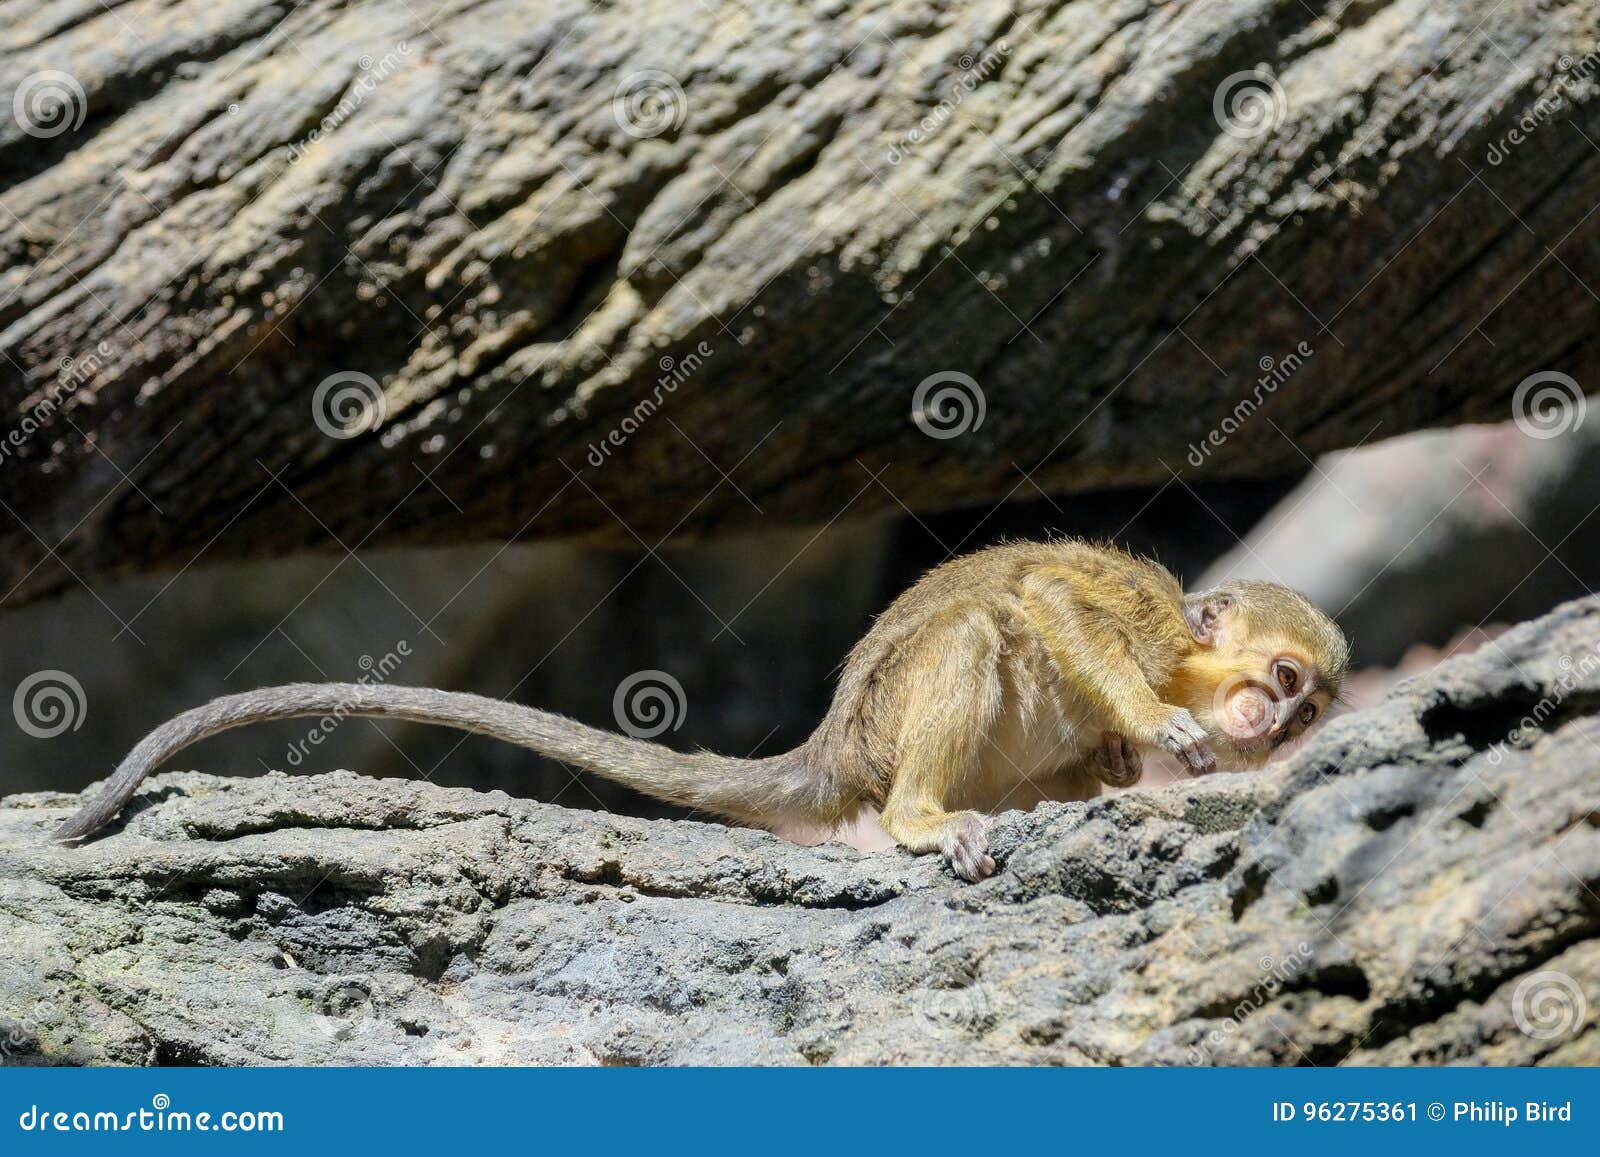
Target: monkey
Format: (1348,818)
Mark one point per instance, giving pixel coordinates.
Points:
(1023,672)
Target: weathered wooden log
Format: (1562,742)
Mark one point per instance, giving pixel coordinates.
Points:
(290,275)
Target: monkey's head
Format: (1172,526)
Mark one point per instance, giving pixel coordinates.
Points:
(1266,666)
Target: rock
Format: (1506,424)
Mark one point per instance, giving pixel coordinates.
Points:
(1416,885)
(277,277)
(1411,540)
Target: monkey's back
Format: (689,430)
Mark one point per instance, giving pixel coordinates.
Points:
(971,604)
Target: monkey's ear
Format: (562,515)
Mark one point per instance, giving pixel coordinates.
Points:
(1204,616)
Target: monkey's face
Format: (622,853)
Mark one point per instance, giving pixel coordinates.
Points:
(1266,669)
(1272,697)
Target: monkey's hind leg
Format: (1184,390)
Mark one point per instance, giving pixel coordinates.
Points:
(962,838)
(946,716)
(1117,762)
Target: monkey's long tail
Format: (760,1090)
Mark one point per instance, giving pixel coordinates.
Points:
(758,791)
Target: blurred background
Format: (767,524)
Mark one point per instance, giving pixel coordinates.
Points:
(1422,546)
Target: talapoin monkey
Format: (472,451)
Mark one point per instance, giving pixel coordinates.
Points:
(1023,672)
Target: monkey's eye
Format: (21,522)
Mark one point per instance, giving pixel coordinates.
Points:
(1288,677)
(1308,714)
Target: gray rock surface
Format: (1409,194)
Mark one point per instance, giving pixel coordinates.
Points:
(1417,885)
(518,220)
(1411,540)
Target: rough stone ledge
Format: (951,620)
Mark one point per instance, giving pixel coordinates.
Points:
(1408,888)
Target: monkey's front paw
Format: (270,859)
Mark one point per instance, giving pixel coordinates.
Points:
(966,847)
(1187,740)
(1118,763)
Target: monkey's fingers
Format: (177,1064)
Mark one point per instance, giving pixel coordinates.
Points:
(1186,739)
(1197,758)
